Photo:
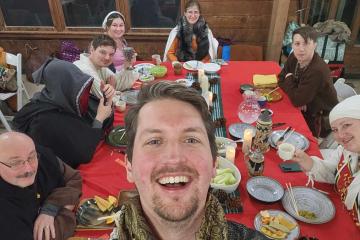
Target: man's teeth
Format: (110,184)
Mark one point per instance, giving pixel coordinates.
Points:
(177,179)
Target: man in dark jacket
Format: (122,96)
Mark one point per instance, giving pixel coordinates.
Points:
(38,192)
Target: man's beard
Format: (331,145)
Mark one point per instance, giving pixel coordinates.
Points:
(179,214)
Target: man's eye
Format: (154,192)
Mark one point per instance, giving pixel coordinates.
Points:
(192,140)
(153,142)
(16,163)
(334,130)
(346,125)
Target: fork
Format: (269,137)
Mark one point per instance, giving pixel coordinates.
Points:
(281,138)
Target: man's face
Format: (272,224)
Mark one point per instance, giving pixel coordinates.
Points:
(102,56)
(172,165)
(303,51)
(347,133)
(14,153)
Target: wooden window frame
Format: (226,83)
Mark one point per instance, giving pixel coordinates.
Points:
(355,25)
(60,30)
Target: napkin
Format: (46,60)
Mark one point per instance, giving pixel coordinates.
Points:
(264,80)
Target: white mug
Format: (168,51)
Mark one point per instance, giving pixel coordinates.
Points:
(286,151)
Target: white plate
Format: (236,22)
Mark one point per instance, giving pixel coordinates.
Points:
(143,68)
(294,234)
(185,81)
(146,78)
(296,139)
(193,65)
(309,200)
(264,189)
(211,67)
(237,130)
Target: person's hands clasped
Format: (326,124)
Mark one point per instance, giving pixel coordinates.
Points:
(304,160)
(44,227)
(109,92)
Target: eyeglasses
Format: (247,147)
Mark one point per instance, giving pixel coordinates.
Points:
(19,164)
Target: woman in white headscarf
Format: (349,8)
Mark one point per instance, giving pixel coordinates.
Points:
(341,168)
(114,26)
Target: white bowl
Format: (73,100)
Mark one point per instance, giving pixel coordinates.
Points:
(224,163)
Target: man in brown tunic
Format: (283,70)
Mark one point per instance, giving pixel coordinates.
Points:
(306,80)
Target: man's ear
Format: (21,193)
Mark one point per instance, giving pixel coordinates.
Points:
(129,173)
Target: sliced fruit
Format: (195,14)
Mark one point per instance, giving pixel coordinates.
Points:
(279,227)
(285,222)
(109,220)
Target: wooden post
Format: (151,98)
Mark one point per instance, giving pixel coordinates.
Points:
(278,22)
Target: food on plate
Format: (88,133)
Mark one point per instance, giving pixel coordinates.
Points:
(224,176)
(277,227)
(158,71)
(307,214)
(105,204)
(146,78)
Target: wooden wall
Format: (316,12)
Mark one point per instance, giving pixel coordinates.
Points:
(242,21)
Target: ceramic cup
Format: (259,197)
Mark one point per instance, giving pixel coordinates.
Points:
(262,101)
(177,67)
(120,105)
(286,151)
(156,59)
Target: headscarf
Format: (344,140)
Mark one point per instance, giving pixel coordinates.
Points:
(64,85)
(108,15)
(350,108)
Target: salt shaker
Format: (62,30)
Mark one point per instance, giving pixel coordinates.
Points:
(255,163)
(263,131)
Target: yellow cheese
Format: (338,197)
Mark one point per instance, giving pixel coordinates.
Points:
(264,79)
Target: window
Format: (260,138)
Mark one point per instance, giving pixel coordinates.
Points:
(319,10)
(86,13)
(346,13)
(26,13)
(154,13)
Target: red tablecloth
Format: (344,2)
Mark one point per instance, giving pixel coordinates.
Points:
(104,175)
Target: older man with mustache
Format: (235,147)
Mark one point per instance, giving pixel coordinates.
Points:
(37,191)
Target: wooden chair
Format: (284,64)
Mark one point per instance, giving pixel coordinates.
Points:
(14,60)
(243,52)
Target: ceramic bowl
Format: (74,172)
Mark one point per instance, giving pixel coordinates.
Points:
(158,71)
(224,163)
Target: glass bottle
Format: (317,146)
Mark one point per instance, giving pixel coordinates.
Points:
(255,164)
(249,109)
(263,130)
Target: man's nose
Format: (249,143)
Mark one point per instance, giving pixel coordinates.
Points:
(174,152)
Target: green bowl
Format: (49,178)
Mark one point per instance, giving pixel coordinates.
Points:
(117,137)
(158,71)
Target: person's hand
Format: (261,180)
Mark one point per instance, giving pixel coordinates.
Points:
(44,227)
(303,108)
(104,111)
(304,160)
(288,75)
(109,92)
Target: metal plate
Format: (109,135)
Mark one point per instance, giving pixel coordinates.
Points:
(237,129)
(294,234)
(264,189)
(310,200)
(129,97)
(296,139)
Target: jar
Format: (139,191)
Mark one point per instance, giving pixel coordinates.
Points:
(255,163)
(263,131)
(249,109)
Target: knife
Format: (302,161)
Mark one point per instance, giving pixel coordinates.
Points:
(275,125)
(281,138)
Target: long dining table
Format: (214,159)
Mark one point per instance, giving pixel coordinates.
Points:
(106,175)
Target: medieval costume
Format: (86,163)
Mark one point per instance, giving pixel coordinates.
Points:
(62,115)
(342,167)
(188,42)
(132,224)
(56,185)
(310,86)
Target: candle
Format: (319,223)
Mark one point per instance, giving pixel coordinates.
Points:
(230,153)
(201,74)
(247,140)
(210,97)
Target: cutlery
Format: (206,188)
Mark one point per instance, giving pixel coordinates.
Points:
(275,125)
(289,134)
(292,197)
(281,138)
